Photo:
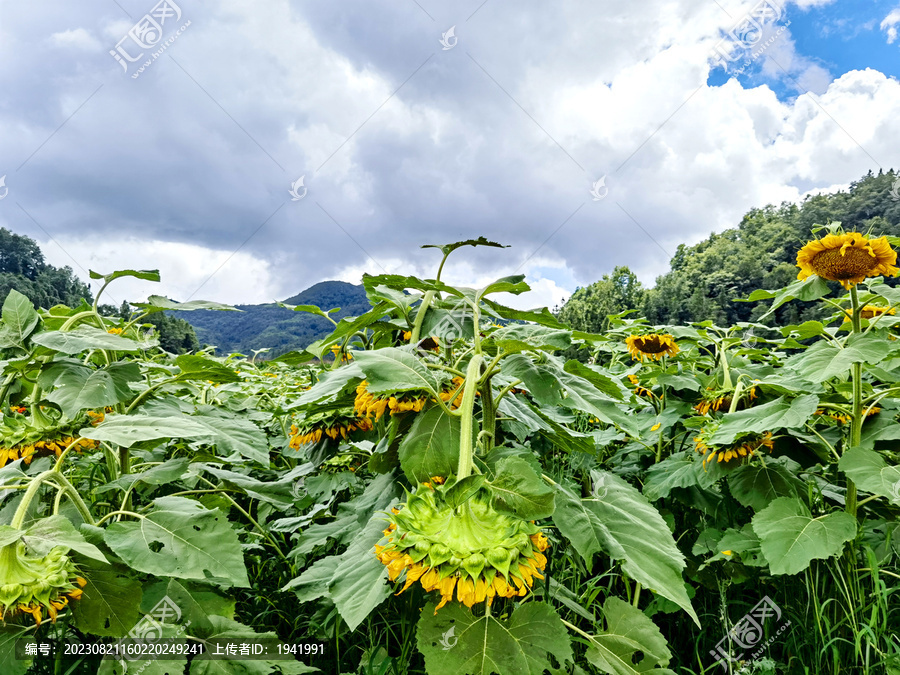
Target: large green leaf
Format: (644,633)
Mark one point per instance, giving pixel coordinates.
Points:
(680,470)
(791,538)
(278,492)
(126,430)
(456,642)
(9,634)
(58,530)
(518,490)
(146,275)
(352,516)
(329,387)
(872,473)
(84,338)
(180,538)
(234,435)
(19,316)
(357,585)
(623,524)
(393,370)
(161,474)
(79,387)
(157,303)
(778,414)
(631,643)
(551,385)
(110,605)
(431,447)
(757,485)
(823,361)
(529,337)
(812,288)
(201,368)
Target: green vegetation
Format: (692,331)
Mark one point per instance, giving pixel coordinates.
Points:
(706,279)
(431,488)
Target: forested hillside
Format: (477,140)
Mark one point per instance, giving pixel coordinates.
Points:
(274,327)
(705,279)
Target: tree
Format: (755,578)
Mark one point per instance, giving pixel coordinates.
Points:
(588,307)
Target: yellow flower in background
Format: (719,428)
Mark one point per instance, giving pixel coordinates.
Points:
(869,312)
(656,426)
(848,258)
(653,346)
(115,331)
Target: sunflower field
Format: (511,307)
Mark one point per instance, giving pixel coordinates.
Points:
(451,486)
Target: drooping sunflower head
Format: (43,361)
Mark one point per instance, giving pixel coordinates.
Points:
(848,258)
(332,424)
(736,451)
(479,553)
(720,400)
(653,346)
(35,585)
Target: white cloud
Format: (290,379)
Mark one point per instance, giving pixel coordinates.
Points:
(187,271)
(77,38)
(889,25)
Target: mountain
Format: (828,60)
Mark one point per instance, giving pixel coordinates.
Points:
(278,328)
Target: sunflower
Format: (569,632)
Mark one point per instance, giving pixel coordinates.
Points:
(638,389)
(736,451)
(721,400)
(479,553)
(31,584)
(848,258)
(28,451)
(869,312)
(653,346)
(368,406)
(843,418)
(316,432)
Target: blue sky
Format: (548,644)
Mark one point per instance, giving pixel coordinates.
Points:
(583,134)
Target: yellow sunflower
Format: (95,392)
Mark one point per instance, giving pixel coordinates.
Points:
(848,258)
(653,346)
(726,454)
(869,312)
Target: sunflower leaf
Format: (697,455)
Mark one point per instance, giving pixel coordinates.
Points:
(455,641)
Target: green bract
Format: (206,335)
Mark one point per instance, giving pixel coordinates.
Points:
(473,548)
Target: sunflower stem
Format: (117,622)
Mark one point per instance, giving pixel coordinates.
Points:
(856,417)
(467,411)
(420,317)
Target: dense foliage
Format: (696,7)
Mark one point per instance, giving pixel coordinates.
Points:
(22,267)
(704,280)
(432,488)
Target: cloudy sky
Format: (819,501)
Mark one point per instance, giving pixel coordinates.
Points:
(583,134)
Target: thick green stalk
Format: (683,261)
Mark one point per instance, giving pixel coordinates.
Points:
(420,317)
(467,411)
(856,416)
